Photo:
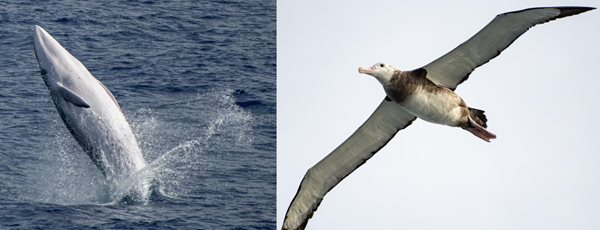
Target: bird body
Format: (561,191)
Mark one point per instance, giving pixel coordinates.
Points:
(419,96)
(427,101)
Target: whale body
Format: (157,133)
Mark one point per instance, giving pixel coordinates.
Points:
(88,109)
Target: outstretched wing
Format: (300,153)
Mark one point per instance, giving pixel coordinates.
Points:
(375,133)
(455,67)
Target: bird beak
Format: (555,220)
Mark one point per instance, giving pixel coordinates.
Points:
(365,71)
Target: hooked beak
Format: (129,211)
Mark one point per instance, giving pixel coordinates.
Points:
(368,71)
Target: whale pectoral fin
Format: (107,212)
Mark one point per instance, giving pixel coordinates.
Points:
(71,97)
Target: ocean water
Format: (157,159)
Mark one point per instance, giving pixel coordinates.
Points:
(195,80)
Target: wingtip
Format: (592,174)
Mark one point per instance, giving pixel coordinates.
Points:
(572,10)
(564,11)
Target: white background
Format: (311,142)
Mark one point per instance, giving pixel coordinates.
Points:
(541,96)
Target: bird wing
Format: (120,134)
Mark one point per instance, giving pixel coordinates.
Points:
(454,67)
(372,135)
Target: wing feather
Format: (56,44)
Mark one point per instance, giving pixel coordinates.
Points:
(455,67)
(372,135)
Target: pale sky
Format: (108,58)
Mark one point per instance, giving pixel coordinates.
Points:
(540,95)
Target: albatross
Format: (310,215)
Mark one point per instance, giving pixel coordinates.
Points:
(426,93)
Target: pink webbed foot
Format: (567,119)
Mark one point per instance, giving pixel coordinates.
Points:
(479,131)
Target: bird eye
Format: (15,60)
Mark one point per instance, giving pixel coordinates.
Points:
(381,65)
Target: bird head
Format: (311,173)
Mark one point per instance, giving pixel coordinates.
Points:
(381,71)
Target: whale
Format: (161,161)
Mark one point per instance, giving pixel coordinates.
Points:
(89,110)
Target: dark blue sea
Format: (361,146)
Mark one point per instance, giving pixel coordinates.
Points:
(195,80)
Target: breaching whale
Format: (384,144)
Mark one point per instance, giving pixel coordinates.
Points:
(88,109)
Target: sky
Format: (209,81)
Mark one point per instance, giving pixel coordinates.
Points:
(540,95)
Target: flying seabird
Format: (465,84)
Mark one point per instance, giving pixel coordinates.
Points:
(426,93)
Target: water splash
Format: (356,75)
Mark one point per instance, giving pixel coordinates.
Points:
(62,176)
(178,139)
(219,121)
